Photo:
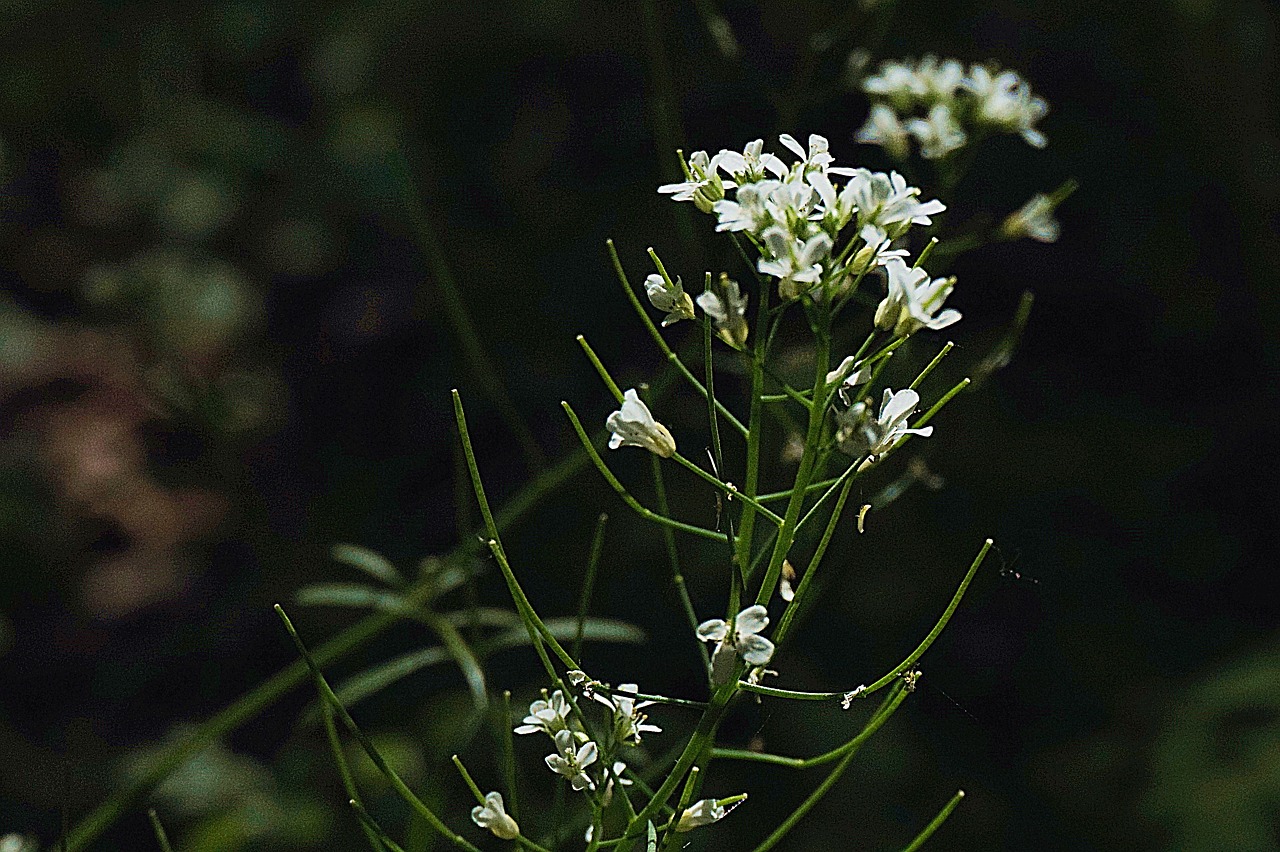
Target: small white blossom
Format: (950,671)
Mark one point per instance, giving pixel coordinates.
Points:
(669,296)
(1005,102)
(817,157)
(888,204)
(938,80)
(742,640)
(618,769)
(493,816)
(1034,219)
(939,134)
(701,813)
(750,166)
(548,715)
(883,128)
(897,83)
(796,264)
(913,301)
(633,425)
(572,760)
(876,252)
(859,434)
(848,375)
(727,307)
(747,210)
(628,722)
(702,185)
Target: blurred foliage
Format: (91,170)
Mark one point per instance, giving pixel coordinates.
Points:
(223,349)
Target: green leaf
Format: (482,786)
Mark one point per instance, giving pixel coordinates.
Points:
(374,564)
(353,595)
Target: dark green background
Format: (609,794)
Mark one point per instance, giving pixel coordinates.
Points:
(1113,687)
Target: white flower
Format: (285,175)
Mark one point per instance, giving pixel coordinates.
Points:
(913,300)
(794,263)
(618,768)
(548,715)
(571,760)
(848,375)
(938,80)
(747,212)
(702,185)
(885,202)
(750,166)
(727,307)
(742,640)
(700,813)
(858,434)
(884,129)
(817,157)
(876,252)
(897,82)
(939,134)
(633,426)
(1005,102)
(669,296)
(628,722)
(1034,219)
(493,816)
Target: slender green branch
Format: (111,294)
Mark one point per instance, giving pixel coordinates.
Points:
(673,558)
(162,837)
(793,607)
(626,495)
(600,369)
(588,583)
(419,807)
(728,489)
(827,783)
(344,770)
(882,713)
(937,628)
(538,631)
(667,351)
(455,310)
(755,428)
(937,359)
(370,825)
(935,823)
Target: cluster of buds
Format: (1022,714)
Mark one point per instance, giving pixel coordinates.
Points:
(941,104)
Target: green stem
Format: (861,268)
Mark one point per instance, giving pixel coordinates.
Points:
(162,837)
(832,777)
(671,356)
(624,494)
(747,524)
(727,489)
(459,318)
(878,718)
(702,738)
(793,607)
(935,823)
(588,583)
(344,770)
(817,416)
(673,557)
(326,692)
(937,628)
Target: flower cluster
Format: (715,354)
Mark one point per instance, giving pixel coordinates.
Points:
(798,216)
(578,755)
(941,105)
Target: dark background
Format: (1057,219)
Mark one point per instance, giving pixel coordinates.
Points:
(225,346)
